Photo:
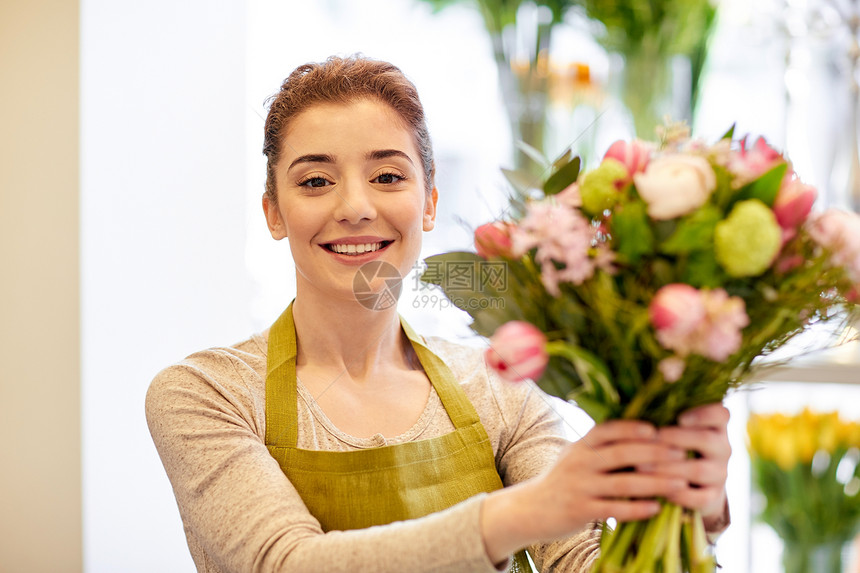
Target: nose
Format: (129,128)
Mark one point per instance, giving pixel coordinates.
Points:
(355,202)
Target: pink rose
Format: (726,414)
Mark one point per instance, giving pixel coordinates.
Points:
(674,185)
(517,351)
(793,203)
(493,240)
(634,155)
(677,311)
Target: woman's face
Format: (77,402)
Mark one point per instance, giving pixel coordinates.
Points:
(350,190)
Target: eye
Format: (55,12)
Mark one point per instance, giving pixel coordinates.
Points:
(388,178)
(315,181)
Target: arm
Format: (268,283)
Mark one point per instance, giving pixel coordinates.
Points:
(240,511)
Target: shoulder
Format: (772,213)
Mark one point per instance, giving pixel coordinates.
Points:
(219,378)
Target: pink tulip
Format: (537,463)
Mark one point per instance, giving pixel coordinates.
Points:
(757,160)
(634,155)
(793,203)
(517,351)
(493,240)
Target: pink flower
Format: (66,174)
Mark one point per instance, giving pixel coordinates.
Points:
(748,164)
(562,236)
(839,232)
(493,240)
(672,368)
(704,322)
(726,318)
(677,312)
(633,155)
(793,203)
(517,351)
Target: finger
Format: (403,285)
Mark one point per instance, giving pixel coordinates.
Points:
(709,443)
(630,454)
(626,510)
(619,430)
(715,416)
(635,485)
(705,499)
(696,472)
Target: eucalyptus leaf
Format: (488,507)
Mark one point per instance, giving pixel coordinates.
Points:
(565,175)
(522,181)
(533,154)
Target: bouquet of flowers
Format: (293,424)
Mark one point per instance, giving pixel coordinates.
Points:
(807,468)
(649,285)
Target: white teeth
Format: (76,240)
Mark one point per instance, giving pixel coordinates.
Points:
(355,249)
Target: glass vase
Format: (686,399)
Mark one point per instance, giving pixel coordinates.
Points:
(652,84)
(805,558)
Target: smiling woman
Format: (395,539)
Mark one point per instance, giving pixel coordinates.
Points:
(341,440)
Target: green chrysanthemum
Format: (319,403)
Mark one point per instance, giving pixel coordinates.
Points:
(600,187)
(747,241)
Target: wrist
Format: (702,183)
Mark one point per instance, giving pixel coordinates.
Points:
(502,526)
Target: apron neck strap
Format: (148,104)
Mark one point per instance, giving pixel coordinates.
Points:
(281,392)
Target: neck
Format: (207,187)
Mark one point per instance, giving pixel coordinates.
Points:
(346,336)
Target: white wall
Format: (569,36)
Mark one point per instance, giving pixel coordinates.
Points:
(40,449)
(162,220)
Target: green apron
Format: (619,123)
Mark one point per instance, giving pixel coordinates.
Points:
(359,489)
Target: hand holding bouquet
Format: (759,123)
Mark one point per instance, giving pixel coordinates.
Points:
(648,285)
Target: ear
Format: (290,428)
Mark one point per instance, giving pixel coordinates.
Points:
(273,218)
(430,210)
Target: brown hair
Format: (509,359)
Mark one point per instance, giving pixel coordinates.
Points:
(342,80)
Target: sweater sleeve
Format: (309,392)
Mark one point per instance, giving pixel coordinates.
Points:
(242,514)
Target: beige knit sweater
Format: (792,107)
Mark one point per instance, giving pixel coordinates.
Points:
(240,512)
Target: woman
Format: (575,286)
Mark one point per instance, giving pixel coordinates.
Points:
(340,440)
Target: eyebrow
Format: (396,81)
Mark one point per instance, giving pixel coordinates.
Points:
(312,158)
(371,156)
(386,153)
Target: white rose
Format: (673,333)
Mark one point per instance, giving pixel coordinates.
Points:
(674,185)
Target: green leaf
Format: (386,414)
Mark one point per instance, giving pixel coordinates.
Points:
(562,159)
(521,181)
(476,287)
(702,270)
(565,175)
(766,187)
(593,371)
(730,133)
(694,232)
(533,154)
(595,409)
(632,236)
(724,193)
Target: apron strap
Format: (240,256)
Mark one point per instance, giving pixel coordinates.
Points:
(281,392)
